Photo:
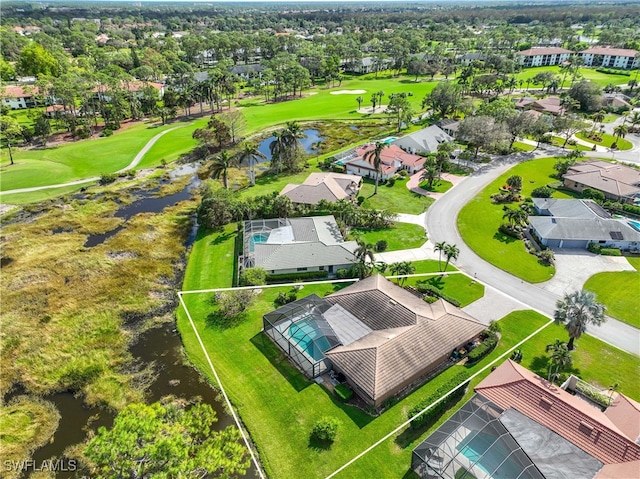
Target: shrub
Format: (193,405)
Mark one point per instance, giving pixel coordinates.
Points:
(231,305)
(461,377)
(342,274)
(391,181)
(590,193)
(285,298)
(404,173)
(426,288)
(361,199)
(510,230)
(81,132)
(489,342)
(594,248)
(494,326)
(517,356)
(303,275)
(326,429)
(610,252)
(542,192)
(343,392)
(107,178)
(546,256)
(106,132)
(253,277)
(381,246)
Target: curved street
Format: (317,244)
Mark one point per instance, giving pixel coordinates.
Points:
(441,224)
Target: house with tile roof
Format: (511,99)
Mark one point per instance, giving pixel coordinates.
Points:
(324,186)
(519,425)
(296,245)
(393,159)
(381,337)
(550,105)
(423,141)
(608,57)
(542,56)
(616,181)
(19,97)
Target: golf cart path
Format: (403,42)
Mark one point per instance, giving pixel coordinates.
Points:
(136,160)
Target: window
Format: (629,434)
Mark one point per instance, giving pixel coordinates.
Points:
(321,268)
(301,269)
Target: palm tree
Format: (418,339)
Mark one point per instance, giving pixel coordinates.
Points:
(577,310)
(359,100)
(374,101)
(363,256)
(634,120)
(451,251)
(430,173)
(400,269)
(597,117)
(619,132)
(373,157)
(380,97)
(277,148)
(440,247)
(514,182)
(219,166)
(516,217)
(249,152)
(560,358)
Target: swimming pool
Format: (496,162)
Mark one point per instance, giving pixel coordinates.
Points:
(481,450)
(257,238)
(635,224)
(308,339)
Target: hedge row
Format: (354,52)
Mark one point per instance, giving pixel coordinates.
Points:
(489,342)
(462,376)
(301,276)
(426,288)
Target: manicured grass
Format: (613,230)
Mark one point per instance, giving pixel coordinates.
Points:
(559,141)
(399,236)
(397,198)
(518,145)
(440,186)
(40,195)
(480,219)
(457,286)
(602,79)
(607,140)
(618,292)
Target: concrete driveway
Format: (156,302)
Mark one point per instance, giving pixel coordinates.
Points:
(575,266)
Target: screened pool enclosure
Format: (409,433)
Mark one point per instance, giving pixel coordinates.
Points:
(302,332)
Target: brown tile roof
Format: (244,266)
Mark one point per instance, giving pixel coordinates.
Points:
(625,470)
(612,178)
(544,51)
(319,186)
(133,85)
(19,92)
(624,412)
(618,52)
(409,336)
(511,385)
(391,154)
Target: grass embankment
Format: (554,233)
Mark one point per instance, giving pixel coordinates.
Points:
(619,292)
(480,219)
(26,423)
(607,141)
(279,405)
(399,236)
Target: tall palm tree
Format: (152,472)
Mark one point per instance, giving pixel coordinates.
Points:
(439,247)
(430,173)
(634,120)
(249,152)
(451,251)
(516,217)
(277,147)
(373,157)
(360,99)
(560,358)
(620,131)
(577,310)
(364,258)
(597,117)
(220,165)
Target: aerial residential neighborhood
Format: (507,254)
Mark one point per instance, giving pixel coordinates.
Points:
(324,240)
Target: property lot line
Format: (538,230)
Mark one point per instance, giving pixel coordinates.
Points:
(224,393)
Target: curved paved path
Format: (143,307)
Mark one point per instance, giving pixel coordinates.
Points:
(441,223)
(136,160)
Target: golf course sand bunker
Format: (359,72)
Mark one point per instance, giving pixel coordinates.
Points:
(348,92)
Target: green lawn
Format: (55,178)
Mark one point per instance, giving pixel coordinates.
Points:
(397,198)
(607,140)
(479,220)
(619,293)
(559,141)
(459,286)
(399,236)
(440,186)
(518,145)
(602,79)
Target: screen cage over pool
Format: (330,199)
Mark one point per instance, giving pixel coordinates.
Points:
(473,444)
(257,231)
(302,332)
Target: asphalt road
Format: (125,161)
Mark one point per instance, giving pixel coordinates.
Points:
(441,224)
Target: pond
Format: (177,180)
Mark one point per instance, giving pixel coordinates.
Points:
(312,136)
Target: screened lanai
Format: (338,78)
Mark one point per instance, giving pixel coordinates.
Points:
(473,443)
(300,329)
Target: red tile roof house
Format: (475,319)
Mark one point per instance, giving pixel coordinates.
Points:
(17,97)
(518,425)
(393,159)
(551,105)
(544,56)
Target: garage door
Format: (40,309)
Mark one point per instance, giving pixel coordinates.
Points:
(574,244)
